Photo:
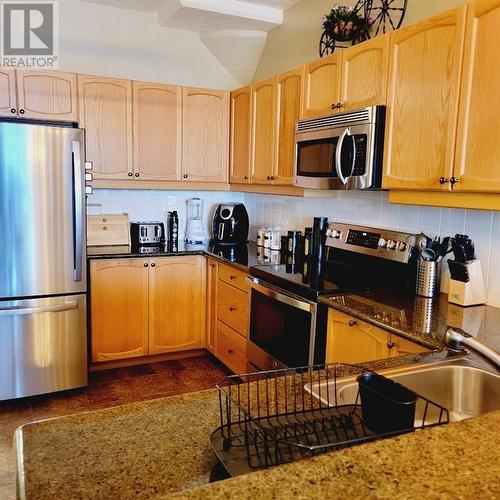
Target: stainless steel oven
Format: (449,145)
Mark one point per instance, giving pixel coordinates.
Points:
(341,151)
(282,328)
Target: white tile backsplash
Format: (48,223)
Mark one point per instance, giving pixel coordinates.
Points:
(374,209)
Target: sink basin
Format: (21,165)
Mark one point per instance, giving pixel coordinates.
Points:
(463,388)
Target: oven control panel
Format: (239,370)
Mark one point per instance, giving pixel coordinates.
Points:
(383,243)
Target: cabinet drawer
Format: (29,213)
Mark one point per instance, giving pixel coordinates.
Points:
(234,277)
(108,230)
(232,307)
(231,348)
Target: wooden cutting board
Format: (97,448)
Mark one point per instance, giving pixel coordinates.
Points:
(112,229)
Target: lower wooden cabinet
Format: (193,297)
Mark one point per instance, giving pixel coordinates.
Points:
(146,306)
(231,348)
(350,340)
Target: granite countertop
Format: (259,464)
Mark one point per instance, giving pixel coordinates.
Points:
(159,448)
(242,256)
(419,319)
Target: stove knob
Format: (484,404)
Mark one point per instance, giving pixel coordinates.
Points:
(391,245)
(382,243)
(401,246)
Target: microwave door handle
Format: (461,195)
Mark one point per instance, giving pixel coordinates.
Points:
(338,156)
(78,227)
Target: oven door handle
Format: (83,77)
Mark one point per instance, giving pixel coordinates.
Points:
(338,156)
(283,297)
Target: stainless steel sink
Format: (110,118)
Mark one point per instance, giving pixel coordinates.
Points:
(464,388)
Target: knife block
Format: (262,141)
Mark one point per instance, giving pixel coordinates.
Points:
(472,292)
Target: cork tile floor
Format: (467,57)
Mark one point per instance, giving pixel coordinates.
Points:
(107,388)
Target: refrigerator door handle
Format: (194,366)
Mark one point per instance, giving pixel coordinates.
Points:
(19,311)
(77,210)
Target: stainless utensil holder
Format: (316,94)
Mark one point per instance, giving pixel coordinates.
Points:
(428,278)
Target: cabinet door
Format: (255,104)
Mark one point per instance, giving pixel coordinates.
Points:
(118,309)
(322,86)
(177,296)
(263,131)
(106,116)
(231,349)
(232,308)
(478,144)
(157,112)
(424,77)
(205,125)
(241,120)
(402,347)
(289,98)
(350,340)
(8,97)
(47,95)
(212,277)
(364,74)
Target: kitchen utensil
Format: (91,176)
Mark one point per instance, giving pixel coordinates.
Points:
(428,278)
(147,233)
(261,233)
(428,255)
(458,271)
(275,240)
(318,239)
(173,227)
(294,241)
(195,231)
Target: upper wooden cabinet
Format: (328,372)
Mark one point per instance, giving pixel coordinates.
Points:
(289,99)
(424,77)
(205,125)
(264,125)
(176,304)
(157,117)
(8,96)
(322,85)
(106,115)
(119,309)
(47,95)
(241,136)
(364,74)
(478,143)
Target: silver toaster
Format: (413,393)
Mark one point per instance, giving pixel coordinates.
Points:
(147,233)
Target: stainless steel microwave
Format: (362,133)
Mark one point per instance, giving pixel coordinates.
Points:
(341,151)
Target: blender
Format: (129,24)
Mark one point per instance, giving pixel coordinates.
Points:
(195,231)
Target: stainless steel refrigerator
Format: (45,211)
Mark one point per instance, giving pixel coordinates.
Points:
(43,278)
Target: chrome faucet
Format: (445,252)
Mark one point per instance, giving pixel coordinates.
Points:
(456,341)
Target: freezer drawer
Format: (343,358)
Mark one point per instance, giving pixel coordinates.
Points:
(43,345)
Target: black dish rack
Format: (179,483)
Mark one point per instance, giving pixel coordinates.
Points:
(274,417)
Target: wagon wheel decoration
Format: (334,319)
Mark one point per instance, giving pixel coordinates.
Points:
(386,15)
(326,45)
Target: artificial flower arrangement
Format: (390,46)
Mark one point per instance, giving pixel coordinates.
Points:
(344,22)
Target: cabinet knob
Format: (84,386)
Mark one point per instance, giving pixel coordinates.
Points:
(13,110)
(391,344)
(213,266)
(22,111)
(153,264)
(137,174)
(272,178)
(130,174)
(230,351)
(443,180)
(232,277)
(232,308)
(146,264)
(104,228)
(454,180)
(352,322)
(246,177)
(185,176)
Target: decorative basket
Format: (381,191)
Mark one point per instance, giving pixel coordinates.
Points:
(343,30)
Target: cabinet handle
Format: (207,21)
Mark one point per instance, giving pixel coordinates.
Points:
(153,265)
(443,180)
(104,228)
(246,177)
(454,180)
(146,264)
(185,176)
(230,351)
(213,266)
(21,111)
(333,106)
(130,174)
(391,344)
(232,308)
(13,110)
(272,178)
(137,174)
(352,322)
(232,277)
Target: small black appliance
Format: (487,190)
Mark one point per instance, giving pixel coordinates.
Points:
(230,224)
(147,233)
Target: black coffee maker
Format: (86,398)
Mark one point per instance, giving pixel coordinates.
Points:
(230,224)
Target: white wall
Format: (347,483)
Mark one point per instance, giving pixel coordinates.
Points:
(110,41)
(154,205)
(373,209)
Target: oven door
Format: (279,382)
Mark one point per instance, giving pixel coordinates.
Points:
(282,328)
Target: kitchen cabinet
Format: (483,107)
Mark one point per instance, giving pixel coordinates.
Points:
(176,304)
(289,100)
(232,308)
(478,142)
(119,297)
(212,279)
(8,95)
(205,135)
(241,135)
(322,86)
(350,340)
(364,74)
(231,348)
(157,120)
(423,94)
(106,115)
(264,125)
(47,95)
